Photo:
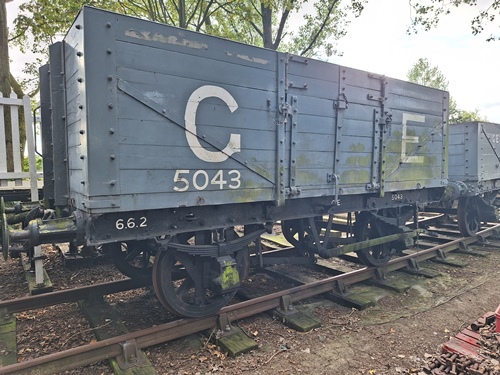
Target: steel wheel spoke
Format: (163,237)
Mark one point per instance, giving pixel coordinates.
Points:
(184,283)
(184,287)
(132,258)
(468,216)
(366,229)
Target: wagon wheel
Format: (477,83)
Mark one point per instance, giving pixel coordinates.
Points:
(299,233)
(132,258)
(366,228)
(185,284)
(489,197)
(293,231)
(468,216)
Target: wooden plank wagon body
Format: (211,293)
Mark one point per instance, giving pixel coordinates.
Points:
(160,118)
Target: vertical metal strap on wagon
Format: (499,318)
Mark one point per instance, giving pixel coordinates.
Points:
(382,118)
(282,118)
(341,106)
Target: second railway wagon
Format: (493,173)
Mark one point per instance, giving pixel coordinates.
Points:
(159,141)
(474,167)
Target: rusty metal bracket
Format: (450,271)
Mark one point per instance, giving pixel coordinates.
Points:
(482,240)
(130,356)
(464,247)
(380,274)
(440,254)
(413,265)
(286,307)
(340,287)
(224,324)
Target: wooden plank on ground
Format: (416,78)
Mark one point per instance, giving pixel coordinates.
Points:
(237,342)
(107,324)
(8,340)
(297,320)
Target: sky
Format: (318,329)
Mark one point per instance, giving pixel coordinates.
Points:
(377,42)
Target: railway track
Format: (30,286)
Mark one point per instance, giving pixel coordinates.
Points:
(68,295)
(114,347)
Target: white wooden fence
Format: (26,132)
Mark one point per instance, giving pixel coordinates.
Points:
(18,179)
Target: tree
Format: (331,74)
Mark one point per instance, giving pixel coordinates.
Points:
(185,14)
(428,13)
(458,115)
(424,73)
(268,20)
(259,22)
(4,52)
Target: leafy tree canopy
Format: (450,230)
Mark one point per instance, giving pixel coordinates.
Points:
(263,23)
(424,73)
(483,13)
(259,22)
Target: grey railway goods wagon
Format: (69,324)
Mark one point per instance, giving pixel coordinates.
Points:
(474,154)
(160,118)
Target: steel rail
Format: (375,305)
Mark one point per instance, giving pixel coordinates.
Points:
(110,348)
(68,295)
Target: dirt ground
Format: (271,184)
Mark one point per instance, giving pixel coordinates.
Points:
(393,337)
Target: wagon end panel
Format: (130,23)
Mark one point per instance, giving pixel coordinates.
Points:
(474,154)
(463,152)
(71,137)
(489,154)
(180,118)
(46,133)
